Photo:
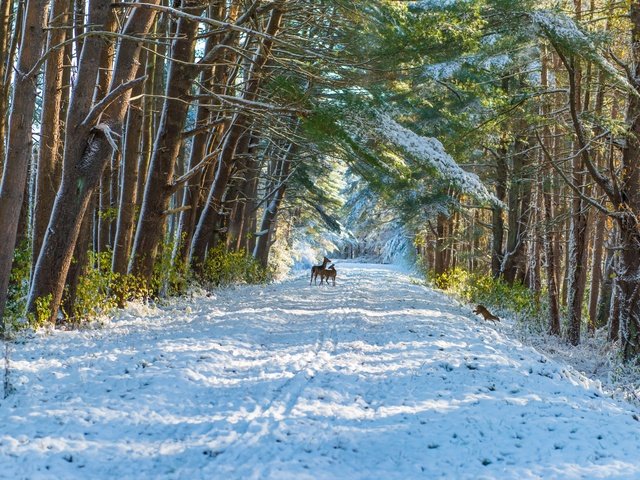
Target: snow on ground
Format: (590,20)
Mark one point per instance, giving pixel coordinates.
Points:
(376,378)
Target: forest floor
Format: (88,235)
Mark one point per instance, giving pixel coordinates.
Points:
(375,378)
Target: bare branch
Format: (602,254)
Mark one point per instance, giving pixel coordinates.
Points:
(571,185)
(108,99)
(206,160)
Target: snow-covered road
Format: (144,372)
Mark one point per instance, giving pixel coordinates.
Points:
(377,378)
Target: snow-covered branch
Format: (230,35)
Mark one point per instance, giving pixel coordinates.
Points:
(431,151)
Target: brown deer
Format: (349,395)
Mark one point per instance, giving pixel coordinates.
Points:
(482,310)
(328,273)
(316,269)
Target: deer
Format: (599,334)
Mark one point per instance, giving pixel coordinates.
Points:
(316,269)
(482,310)
(328,273)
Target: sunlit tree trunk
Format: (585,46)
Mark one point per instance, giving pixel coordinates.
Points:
(129,188)
(168,140)
(49,164)
(265,236)
(89,144)
(236,137)
(19,140)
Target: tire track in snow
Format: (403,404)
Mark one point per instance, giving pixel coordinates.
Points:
(339,304)
(284,398)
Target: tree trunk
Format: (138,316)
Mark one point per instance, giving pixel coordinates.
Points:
(606,287)
(210,81)
(518,215)
(548,227)
(79,262)
(88,147)
(19,141)
(440,246)
(5,64)
(267,227)
(628,274)
(158,190)
(129,188)
(238,135)
(596,271)
(49,165)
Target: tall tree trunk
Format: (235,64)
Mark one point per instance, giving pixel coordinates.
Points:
(210,81)
(440,266)
(577,248)
(19,141)
(518,215)
(264,239)
(129,190)
(49,164)
(548,227)
(90,148)
(596,271)
(5,63)
(158,190)
(606,286)
(237,136)
(79,263)
(627,283)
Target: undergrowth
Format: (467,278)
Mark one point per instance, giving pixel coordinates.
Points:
(595,356)
(100,290)
(518,300)
(222,268)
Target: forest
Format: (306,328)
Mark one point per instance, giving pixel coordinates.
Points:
(150,145)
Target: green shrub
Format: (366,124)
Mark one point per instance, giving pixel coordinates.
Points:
(93,294)
(477,288)
(42,314)
(170,277)
(100,290)
(18,288)
(18,284)
(222,268)
(128,287)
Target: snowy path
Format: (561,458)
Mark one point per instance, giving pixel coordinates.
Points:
(376,378)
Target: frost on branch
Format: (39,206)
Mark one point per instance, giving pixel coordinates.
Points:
(431,151)
(565,33)
(436,4)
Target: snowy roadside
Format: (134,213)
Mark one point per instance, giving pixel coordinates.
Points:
(377,378)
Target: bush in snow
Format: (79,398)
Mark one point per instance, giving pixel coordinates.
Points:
(494,292)
(223,268)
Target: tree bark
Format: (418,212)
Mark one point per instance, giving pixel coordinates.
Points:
(596,271)
(5,63)
(158,190)
(129,189)
(518,215)
(89,145)
(19,141)
(268,224)
(49,164)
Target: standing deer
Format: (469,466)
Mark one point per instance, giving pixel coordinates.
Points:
(328,273)
(316,269)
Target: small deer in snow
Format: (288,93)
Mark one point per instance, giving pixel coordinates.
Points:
(316,269)
(328,273)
